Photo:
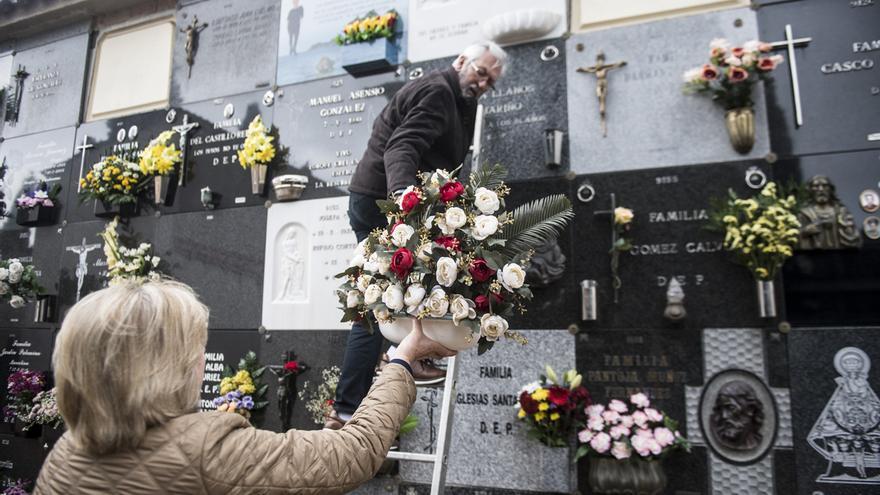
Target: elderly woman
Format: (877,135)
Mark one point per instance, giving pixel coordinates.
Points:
(129,361)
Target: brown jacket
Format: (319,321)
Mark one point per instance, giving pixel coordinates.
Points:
(207,453)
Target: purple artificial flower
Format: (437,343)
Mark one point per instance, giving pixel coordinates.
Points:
(247,402)
(219,401)
(232,396)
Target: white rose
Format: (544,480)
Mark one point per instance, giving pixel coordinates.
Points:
(377,264)
(455,218)
(484,226)
(447,271)
(363,282)
(492,327)
(16,302)
(4,273)
(4,288)
(414,295)
(357,258)
(444,227)
(14,277)
(382,314)
(156,261)
(353,299)
(423,253)
(15,267)
(393,297)
(752,46)
(733,61)
(429,222)
(462,308)
(437,303)
(486,201)
(512,276)
(372,294)
(402,234)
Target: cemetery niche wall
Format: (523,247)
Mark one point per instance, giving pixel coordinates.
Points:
(591,106)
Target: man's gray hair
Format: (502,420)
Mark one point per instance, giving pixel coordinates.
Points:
(477,49)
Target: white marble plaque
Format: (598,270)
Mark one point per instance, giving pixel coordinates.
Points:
(132,70)
(307,243)
(441,28)
(588,14)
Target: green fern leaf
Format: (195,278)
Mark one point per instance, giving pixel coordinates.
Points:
(535,223)
(488,176)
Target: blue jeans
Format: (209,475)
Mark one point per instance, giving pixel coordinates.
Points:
(362,349)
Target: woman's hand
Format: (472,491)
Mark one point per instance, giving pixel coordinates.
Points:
(416,346)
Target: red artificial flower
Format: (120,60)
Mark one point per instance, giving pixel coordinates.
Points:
(528,404)
(410,200)
(480,270)
(737,74)
(450,191)
(402,262)
(291,366)
(558,395)
(709,72)
(581,394)
(482,302)
(449,242)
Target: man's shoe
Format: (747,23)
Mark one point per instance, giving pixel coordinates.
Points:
(332,421)
(426,374)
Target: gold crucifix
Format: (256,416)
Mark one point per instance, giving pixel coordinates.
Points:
(601,71)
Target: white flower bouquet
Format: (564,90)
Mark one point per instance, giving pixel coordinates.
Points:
(450,252)
(124,263)
(18,282)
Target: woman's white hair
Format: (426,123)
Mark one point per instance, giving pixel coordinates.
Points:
(476,50)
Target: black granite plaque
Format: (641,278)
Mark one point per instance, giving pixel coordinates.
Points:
(24,349)
(21,458)
(835,287)
(835,409)
(669,240)
(836,73)
(124,137)
(327,123)
(39,247)
(29,161)
(224,349)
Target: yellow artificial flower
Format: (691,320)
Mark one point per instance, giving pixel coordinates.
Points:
(761,273)
(540,394)
(554,416)
(543,406)
(521,414)
(540,416)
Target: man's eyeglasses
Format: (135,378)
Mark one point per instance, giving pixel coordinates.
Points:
(484,75)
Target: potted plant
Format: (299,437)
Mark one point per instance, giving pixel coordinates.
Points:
(37,207)
(21,388)
(18,283)
(552,408)
(114,184)
(761,232)
(368,43)
(158,160)
(729,78)
(124,263)
(626,444)
(451,257)
(256,153)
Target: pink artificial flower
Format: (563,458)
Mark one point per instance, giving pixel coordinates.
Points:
(767,64)
(621,450)
(644,432)
(709,72)
(654,415)
(764,47)
(611,416)
(585,435)
(664,436)
(594,410)
(640,445)
(655,447)
(596,423)
(733,61)
(601,443)
(640,419)
(617,406)
(737,74)
(737,51)
(48,203)
(640,400)
(619,431)
(627,421)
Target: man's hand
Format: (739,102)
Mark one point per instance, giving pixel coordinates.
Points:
(416,346)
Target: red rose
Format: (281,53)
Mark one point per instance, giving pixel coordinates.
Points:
(482,302)
(450,191)
(449,242)
(402,262)
(291,366)
(480,270)
(410,200)
(558,395)
(528,404)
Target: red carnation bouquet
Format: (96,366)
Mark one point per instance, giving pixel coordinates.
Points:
(554,408)
(450,252)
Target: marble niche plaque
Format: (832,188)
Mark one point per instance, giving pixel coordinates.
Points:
(595,14)
(224,349)
(39,247)
(307,28)
(232,49)
(307,244)
(123,137)
(669,241)
(30,160)
(440,28)
(489,445)
(24,349)
(650,122)
(212,152)
(839,91)
(835,409)
(52,90)
(5,74)
(326,125)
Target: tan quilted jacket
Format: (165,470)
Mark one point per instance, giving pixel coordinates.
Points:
(208,453)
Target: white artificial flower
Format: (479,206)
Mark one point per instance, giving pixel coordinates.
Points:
(402,234)
(372,294)
(155,261)
(719,43)
(455,218)
(382,314)
(16,302)
(413,296)
(486,201)
(14,277)
(484,226)
(357,258)
(429,222)
(15,266)
(492,327)
(447,271)
(733,61)
(4,273)
(393,297)
(462,309)
(353,299)
(437,303)
(512,276)
(363,282)
(444,227)
(4,288)
(378,264)
(692,74)
(423,253)
(752,46)
(41,194)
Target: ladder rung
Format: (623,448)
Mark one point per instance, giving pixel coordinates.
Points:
(412,456)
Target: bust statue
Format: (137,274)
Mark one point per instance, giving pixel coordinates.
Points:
(737,416)
(825,222)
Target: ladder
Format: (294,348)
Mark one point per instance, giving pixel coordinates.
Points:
(439,457)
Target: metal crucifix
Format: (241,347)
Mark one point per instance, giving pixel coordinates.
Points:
(183,129)
(789,43)
(601,70)
(82,162)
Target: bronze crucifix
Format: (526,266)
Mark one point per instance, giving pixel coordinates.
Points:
(601,70)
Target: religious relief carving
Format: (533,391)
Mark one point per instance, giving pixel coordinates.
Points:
(846,432)
(737,416)
(14,94)
(825,222)
(82,267)
(600,70)
(291,261)
(192,42)
(547,265)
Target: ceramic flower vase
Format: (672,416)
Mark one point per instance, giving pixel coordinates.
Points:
(164,189)
(258,178)
(632,476)
(741,128)
(766,298)
(452,336)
